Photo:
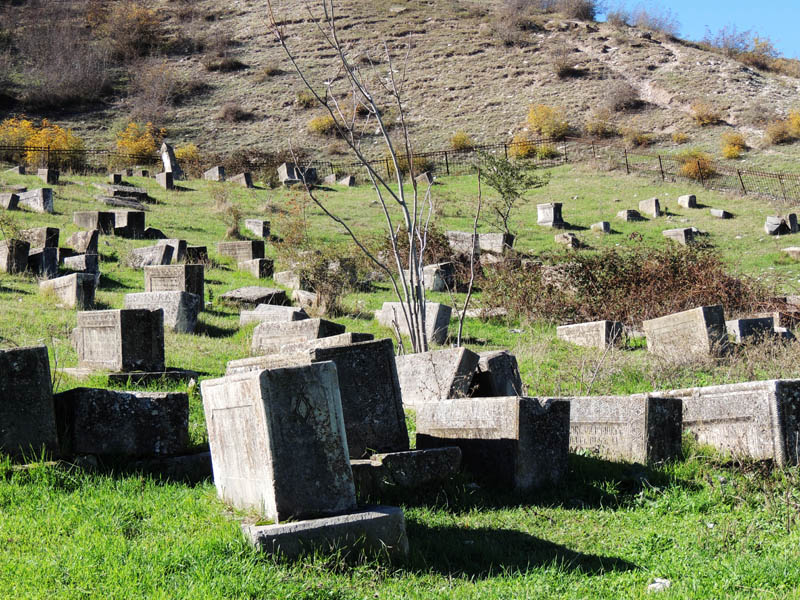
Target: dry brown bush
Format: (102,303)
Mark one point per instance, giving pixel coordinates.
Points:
(585,10)
(779,132)
(132,29)
(621,95)
(704,113)
(232,112)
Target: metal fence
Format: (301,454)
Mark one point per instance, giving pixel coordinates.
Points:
(75,161)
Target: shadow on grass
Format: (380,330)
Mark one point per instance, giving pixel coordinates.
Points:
(108,283)
(573,227)
(486,552)
(213,331)
(10,290)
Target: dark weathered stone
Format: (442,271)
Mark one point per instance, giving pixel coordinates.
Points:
(108,422)
(776,226)
(84,242)
(404,472)
(687,201)
(242,251)
(196,254)
(14,256)
(103,221)
(41,237)
(139,258)
(265,335)
(49,176)
(124,191)
(699,331)
(165,181)
(596,334)
(258,227)
(151,233)
(83,263)
(122,202)
(40,201)
(437,319)
(721,214)
(244,179)
(438,375)
(120,340)
(180,308)
(682,235)
(252,296)
(115,178)
(568,239)
(175,278)
(630,215)
(261,268)
(290,174)
(9,201)
(43,262)
(73,291)
(129,224)
(178,248)
(497,375)
(755,329)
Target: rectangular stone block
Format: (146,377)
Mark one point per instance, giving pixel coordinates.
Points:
(437,320)
(178,248)
(743,329)
(14,256)
(630,428)
(27,416)
(43,262)
(290,279)
(290,173)
(687,201)
(242,251)
(497,375)
(244,179)
(120,340)
(196,254)
(595,334)
(261,268)
(83,263)
(130,424)
(40,201)
(512,442)
(41,237)
(165,180)
(139,258)
(265,335)
(549,215)
(682,235)
(278,346)
(650,207)
(404,472)
(495,243)
(175,278)
(258,227)
(253,295)
(269,313)
(115,178)
(437,277)
(103,221)
(9,201)
(49,176)
(463,243)
(630,215)
(73,291)
(699,331)
(756,420)
(180,308)
(84,242)
(278,442)
(171,165)
(129,223)
(124,191)
(215,174)
(438,375)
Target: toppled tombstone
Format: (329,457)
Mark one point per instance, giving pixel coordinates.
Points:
(84,242)
(268,335)
(178,248)
(549,215)
(650,207)
(170,162)
(242,251)
(27,416)
(175,278)
(404,471)
(129,224)
(196,254)
(120,340)
(43,262)
(437,277)
(329,179)
(290,279)
(743,330)
(310,301)
(437,320)
(347,181)
(124,191)
(682,235)
(497,375)
(243,179)
(130,424)
(260,268)
(290,174)
(687,201)
(40,201)
(425,178)
(519,443)
(90,220)
(463,243)
(437,375)
(630,215)
(73,291)
(792,251)
(495,243)
(14,256)
(49,176)
(215,174)
(165,180)
(252,296)
(139,258)
(569,239)
(721,214)
(696,332)
(601,226)
(258,227)
(180,308)
(9,201)
(82,263)
(595,334)
(776,226)
(270,313)
(41,237)
(18,170)
(277,346)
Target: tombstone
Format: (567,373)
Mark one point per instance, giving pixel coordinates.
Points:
(43,262)
(40,201)
(595,334)
(65,253)
(180,308)
(699,331)
(267,335)
(601,226)
(141,172)
(49,176)
(549,215)
(650,207)
(170,162)
(140,258)
(9,201)
(425,178)
(252,296)
(84,242)
(497,375)
(85,263)
(687,201)
(629,216)
(18,170)
(290,279)
(242,251)
(175,278)
(41,237)
(756,420)
(258,227)
(129,223)
(243,179)
(165,180)
(347,181)
(793,252)
(27,416)
(682,235)
(215,174)
(438,277)
(437,319)
(495,243)
(14,256)
(569,239)
(329,179)
(269,313)
(102,221)
(791,219)
(127,192)
(310,301)
(463,243)
(776,226)
(120,340)
(640,429)
(405,472)
(122,424)
(260,268)
(115,178)
(721,214)
(178,248)
(435,375)
(743,330)
(130,203)
(521,443)
(278,443)
(196,254)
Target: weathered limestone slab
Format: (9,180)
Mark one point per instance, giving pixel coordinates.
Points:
(329,179)
(43,262)
(14,256)
(569,239)
(495,243)
(124,191)
(425,178)
(310,301)
(260,268)
(139,258)
(513,442)
(347,181)
(743,329)
(278,443)
(757,420)
(244,179)
(84,242)
(178,248)
(438,375)
(437,319)
(630,215)
(601,226)
(170,162)
(265,335)
(215,174)
(290,279)
(9,201)
(497,375)
(83,263)
(122,202)
(120,340)
(682,235)
(275,351)
(74,291)
(41,237)
(650,207)
(18,170)
(93,219)
(40,201)
(636,428)
(290,173)
(438,277)
(258,227)
(135,424)
(549,215)
(463,243)
(374,530)
(595,334)
(721,214)
(27,416)
(129,223)
(687,201)
(49,176)
(793,252)
(180,308)
(270,313)
(242,251)
(165,180)
(404,472)
(252,296)
(699,331)
(115,178)
(196,254)
(175,278)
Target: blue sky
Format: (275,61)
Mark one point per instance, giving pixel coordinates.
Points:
(775,19)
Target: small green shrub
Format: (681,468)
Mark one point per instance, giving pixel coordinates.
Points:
(547,152)
(322,125)
(599,124)
(304,99)
(522,147)
(679,137)
(733,144)
(461,141)
(636,137)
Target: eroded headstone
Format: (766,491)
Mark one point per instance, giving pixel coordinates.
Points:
(630,215)
(9,201)
(687,201)
(569,239)
(242,251)
(497,375)
(260,268)
(139,258)
(495,243)
(437,319)
(595,334)
(549,215)
(601,226)
(463,243)
(196,254)
(84,242)
(650,207)
(437,375)
(215,174)
(165,180)
(244,179)
(83,263)
(43,262)
(743,330)
(49,176)
(252,296)
(270,313)
(93,219)
(40,201)
(258,227)
(175,278)
(180,308)
(267,334)
(696,332)
(14,256)
(721,214)
(170,162)
(682,235)
(41,237)
(120,340)
(129,224)
(178,248)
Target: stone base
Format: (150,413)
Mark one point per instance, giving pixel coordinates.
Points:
(146,378)
(190,468)
(404,471)
(374,530)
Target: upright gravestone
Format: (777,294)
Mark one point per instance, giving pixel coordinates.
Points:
(100,220)
(180,308)
(120,340)
(14,256)
(438,375)
(497,375)
(650,207)
(243,179)
(84,242)
(41,237)
(129,224)
(139,258)
(165,180)
(696,332)
(687,201)
(170,162)
(260,268)
(242,251)
(40,200)
(73,291)
(175,278)
(268,337)
(549,215)
(595,334)
(43,262)
(258,227)
(215,174)
(49,176)
(437,320)
(83,263)
(178,248)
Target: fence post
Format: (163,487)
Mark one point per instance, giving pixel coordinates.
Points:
(627,167)
(505,149)
(661,166)
(783,189)
(594,154)
(565,152)
(446,163)
(700,172)
(739,173)
(388,172)
(47,158)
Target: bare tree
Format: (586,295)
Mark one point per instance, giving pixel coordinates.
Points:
(353,96)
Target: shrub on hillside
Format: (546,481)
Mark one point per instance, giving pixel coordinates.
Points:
(547,152)
(779,132)
(522,147)
(635,137)
(422,164)
(305,99)
(661,20)
(585,10)
(22,132)
(679,137)
(232,112)
(695,164)
(794,123)
(547,121)
(733,144)
(599,124)
(461,141)
(190,160)
(132,29)
(138,142)
(704,114)
(621,95)
(322,125)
